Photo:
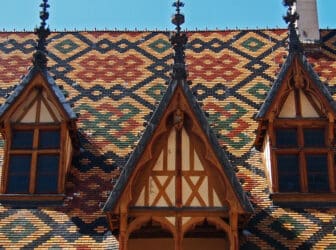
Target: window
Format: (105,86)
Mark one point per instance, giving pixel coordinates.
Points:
(40,132)
(33,160)
(302,160)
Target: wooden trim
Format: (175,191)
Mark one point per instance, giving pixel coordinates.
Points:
(184,211)
(233,233)
(330,141)
(32,197)
(33,164)
(31,126)
(51,112)
(38,108)
(297,102)
(331,172)
(5,167)
(179,236)
(304,122)
(273,158)
(123,230)
(31,151)
(178,169)
(303,197)
(62,161)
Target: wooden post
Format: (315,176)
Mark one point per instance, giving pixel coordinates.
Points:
(178,239)
(122,231)
(330,141)
(234,241)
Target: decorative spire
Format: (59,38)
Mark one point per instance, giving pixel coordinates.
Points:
(40,56)
(178,42)
(291,18)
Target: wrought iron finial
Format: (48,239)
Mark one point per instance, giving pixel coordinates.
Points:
(40,56)
(178,42)
(178,18)
(291,18)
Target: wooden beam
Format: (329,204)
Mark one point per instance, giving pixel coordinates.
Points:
(32,197)
(122,231)
(186,212)
(234,240)
(178,236)
(304,197)
(178,168)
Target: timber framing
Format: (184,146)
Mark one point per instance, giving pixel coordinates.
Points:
(178,121)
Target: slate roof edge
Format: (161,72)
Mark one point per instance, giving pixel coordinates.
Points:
(53,86)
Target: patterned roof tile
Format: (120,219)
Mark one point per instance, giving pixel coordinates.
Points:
(115,80)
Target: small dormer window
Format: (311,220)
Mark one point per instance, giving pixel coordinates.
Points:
(297,136)
(38,130)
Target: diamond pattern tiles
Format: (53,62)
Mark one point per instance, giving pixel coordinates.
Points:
(114,80)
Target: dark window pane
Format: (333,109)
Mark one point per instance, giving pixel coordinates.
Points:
(47,174)
(314,137)
(286,138)
(18,174)
(49,139)
(288,171)
(22,139)
(318,180)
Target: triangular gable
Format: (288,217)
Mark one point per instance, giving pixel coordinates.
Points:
(178,95)
(38,90)
(272,98)
(315,98)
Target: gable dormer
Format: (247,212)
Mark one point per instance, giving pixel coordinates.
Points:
(296,131)
(39,127)
(178,189)
(178,178)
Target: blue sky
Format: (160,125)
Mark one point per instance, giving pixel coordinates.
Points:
(153,14)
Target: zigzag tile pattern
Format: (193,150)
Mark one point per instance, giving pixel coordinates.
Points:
(115,80)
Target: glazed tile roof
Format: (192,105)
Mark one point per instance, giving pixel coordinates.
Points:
(115,80)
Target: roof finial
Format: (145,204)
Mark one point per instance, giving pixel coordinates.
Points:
(40,56)
(178,41)
(291,18)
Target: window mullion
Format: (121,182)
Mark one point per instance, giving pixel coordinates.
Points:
(297,103)
(33,165)
(302,161)
(331,169)
(5,170)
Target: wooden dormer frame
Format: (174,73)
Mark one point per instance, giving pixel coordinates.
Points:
(178,111)
(298,77)
(61,118)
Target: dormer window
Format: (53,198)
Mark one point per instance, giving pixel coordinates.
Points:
(37,127)
(296,135)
